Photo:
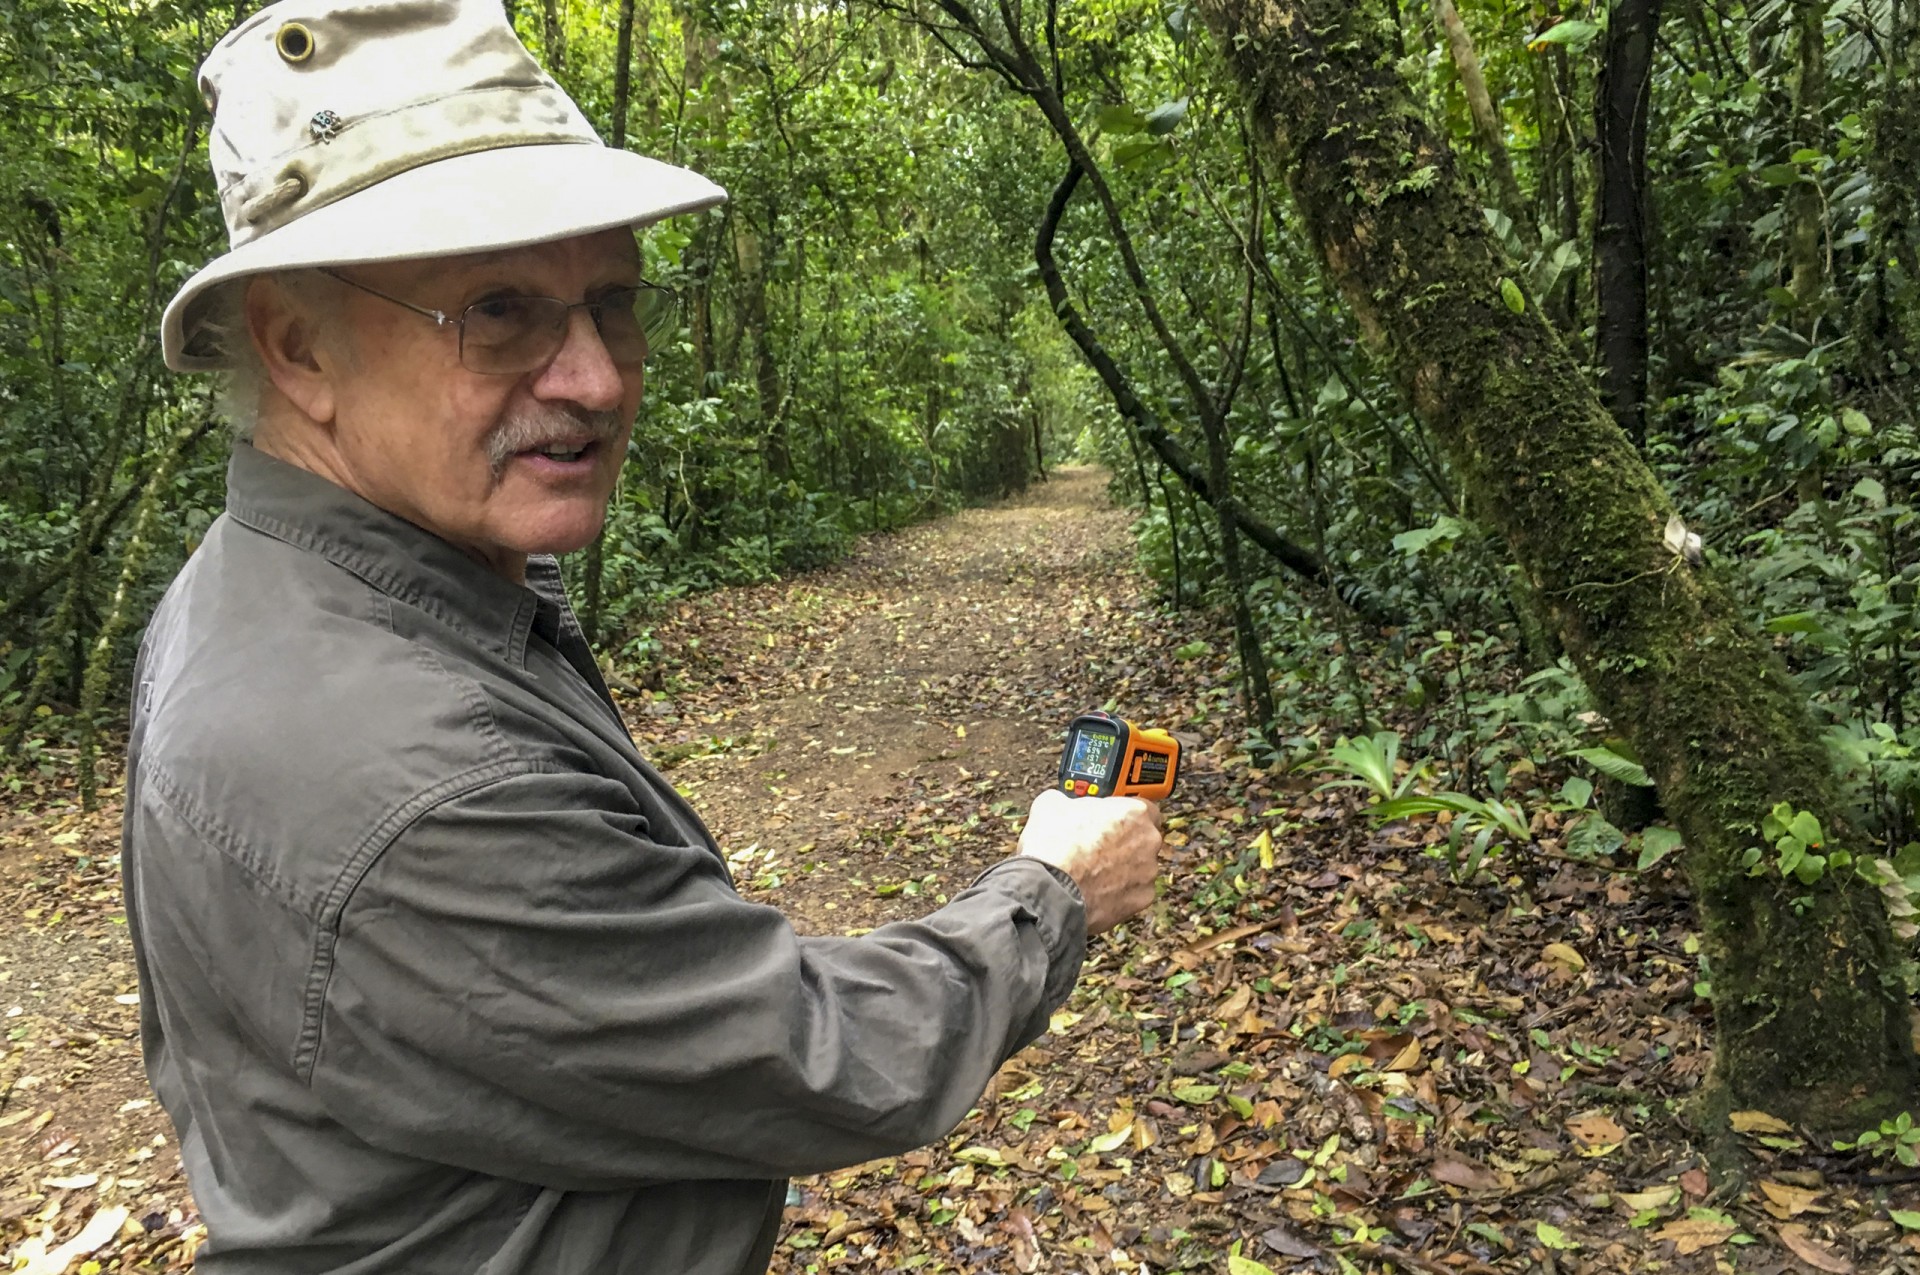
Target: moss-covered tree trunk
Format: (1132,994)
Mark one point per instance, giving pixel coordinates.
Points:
(1811,1020)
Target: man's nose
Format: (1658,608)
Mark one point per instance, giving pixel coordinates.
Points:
(582,372)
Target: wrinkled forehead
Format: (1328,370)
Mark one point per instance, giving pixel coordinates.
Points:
(613,252)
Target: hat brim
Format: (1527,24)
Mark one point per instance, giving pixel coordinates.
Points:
(507,197)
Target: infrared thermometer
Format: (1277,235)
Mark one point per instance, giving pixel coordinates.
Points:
(1108,756)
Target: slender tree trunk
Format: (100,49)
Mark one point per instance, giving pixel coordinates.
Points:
(1806,220)
(622,76)
(1487,125)
(1620,103)
(554,38)
(753,248)
(596,564)
(1811,1018)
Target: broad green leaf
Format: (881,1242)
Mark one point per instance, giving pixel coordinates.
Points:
(1594,837)
(1573,33)
(1444,531)
(1614,766)
(1166,117)
(1553,1237)
(1656,844)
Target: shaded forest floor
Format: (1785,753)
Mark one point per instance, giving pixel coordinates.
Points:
(1316,1050)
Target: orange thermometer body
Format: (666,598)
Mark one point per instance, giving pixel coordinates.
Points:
(1108,756)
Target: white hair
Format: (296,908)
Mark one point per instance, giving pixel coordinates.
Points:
(239,386)
(243,383)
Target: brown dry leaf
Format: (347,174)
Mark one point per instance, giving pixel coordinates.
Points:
(1236,1004)
(1597,1133)
(1408,1059)
(1346,1063)
(1812,1252)
(1694,1183)
(1758,1122)
(1691,1234)
(1464,1173)
(1022,1244)
(1562,955)
(1785,1201)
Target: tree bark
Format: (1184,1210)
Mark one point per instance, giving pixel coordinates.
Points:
(1487,125)
(1620,103)
(596,563)
(553,35)
(1811,1017)
(1806,219)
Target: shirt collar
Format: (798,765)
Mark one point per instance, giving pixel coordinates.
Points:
(389,553)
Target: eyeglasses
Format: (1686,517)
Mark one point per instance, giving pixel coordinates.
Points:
(508,335)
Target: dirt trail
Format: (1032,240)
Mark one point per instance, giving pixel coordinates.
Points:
(847,733)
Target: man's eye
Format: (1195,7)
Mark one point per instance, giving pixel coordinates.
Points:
(498,309)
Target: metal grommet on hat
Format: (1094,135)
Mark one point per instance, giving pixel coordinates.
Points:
(294,42)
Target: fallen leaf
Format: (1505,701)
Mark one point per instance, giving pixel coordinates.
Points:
(1758,1122)
(99,1230)
(1465,1174)
(1346,1063)
(1658,1197)
(1785,1201)
(982,1155)
(1236,1004)
(1694,1183)
(78,1182)
(1812,1252)
(1561,954)
(1287,1244)
(1553,1237)
(1408,1059)
(1282,1173)
(1597,1133)
(1690,1235)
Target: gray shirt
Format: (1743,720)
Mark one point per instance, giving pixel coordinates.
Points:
(438,976)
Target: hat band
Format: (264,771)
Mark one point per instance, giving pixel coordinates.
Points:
(349,155)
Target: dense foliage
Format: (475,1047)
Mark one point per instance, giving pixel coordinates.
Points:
(868,337)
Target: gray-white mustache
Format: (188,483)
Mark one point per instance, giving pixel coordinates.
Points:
(528,429)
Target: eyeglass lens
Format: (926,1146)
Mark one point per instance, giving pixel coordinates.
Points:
(517,334)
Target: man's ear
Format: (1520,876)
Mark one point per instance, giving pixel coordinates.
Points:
(286,327)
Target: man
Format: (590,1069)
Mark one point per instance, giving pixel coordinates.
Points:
(437,975)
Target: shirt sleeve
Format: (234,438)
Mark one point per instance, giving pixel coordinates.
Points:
(524,984)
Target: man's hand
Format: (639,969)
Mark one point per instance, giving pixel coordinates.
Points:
(1110,846)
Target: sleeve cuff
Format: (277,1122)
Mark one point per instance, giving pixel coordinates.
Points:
(1059,914)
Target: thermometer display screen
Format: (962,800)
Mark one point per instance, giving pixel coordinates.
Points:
(1092,753)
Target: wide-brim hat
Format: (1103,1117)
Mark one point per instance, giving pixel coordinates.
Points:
(351,131)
